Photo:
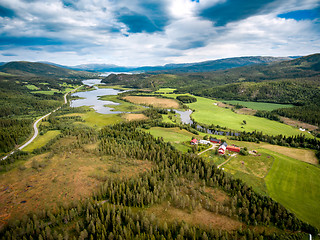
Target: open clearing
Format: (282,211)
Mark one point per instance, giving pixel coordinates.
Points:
(295,185)
(258,105)
(134,117)
(47,180)
(208,113)
(42,140)
(153,101)
(200,217)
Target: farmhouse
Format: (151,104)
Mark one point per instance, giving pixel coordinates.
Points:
(194,141)
(204,141)
(222,148)
(233,148)
(215,140)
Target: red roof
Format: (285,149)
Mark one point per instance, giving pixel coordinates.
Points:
(194,140)
(233,148)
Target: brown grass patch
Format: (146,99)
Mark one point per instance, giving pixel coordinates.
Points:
(296,123)
(304,155)
(246,111)
(60,178)
(218,195)
(134,117)
(200,217)
(153,101)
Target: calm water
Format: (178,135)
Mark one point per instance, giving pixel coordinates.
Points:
(185,116)
(90,98)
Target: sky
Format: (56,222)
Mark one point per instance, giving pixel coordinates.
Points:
(155,32)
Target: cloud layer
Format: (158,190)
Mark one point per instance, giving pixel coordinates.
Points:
(152,32)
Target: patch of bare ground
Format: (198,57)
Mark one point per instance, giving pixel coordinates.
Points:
(304,155)
(296,123)
(199,216)
(217,195)
(134,117)
(153,101)
(246,111)
(224,105)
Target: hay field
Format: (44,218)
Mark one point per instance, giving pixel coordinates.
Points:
(153,101)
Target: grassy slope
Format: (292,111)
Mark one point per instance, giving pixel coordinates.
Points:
(259,105)
(207,112)
(295,185)
(123,106)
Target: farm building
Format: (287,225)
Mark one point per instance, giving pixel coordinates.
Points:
(222,148)
(194,141)
(204,141)
(215,140)
(233,148)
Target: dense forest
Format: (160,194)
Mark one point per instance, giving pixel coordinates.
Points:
(118,209)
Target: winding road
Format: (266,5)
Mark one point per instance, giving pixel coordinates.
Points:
(35,128)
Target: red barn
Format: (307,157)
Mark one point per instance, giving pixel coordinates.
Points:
(233,148)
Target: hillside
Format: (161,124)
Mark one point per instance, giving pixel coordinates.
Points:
(32,69)
(206,66)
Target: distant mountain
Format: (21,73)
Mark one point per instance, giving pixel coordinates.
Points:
(207,66)
(34,69)
(220,64)
(2,63)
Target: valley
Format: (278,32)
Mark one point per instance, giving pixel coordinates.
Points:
(129,153)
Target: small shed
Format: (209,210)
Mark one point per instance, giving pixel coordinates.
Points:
(194,141)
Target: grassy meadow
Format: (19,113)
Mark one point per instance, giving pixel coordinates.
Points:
(123,106)
(258,105)
(42,140)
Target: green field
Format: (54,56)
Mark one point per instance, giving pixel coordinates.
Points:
(296,185)
(258,105)
(32,87)
(46,92)
(42,140)
(175,136)
(206,112)
(165,90)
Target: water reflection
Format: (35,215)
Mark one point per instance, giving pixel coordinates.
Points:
(90,98)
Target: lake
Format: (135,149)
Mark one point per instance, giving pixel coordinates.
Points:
(90,98)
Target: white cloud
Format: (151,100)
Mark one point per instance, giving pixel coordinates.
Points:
(89,32)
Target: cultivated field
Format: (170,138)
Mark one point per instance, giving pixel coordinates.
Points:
(134,117)
(208,113)
(258,105)
(295,184)
(153,101)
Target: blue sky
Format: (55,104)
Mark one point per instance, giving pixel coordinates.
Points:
(155,32)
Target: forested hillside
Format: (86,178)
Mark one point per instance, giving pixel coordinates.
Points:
(24,98)
(33,69)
